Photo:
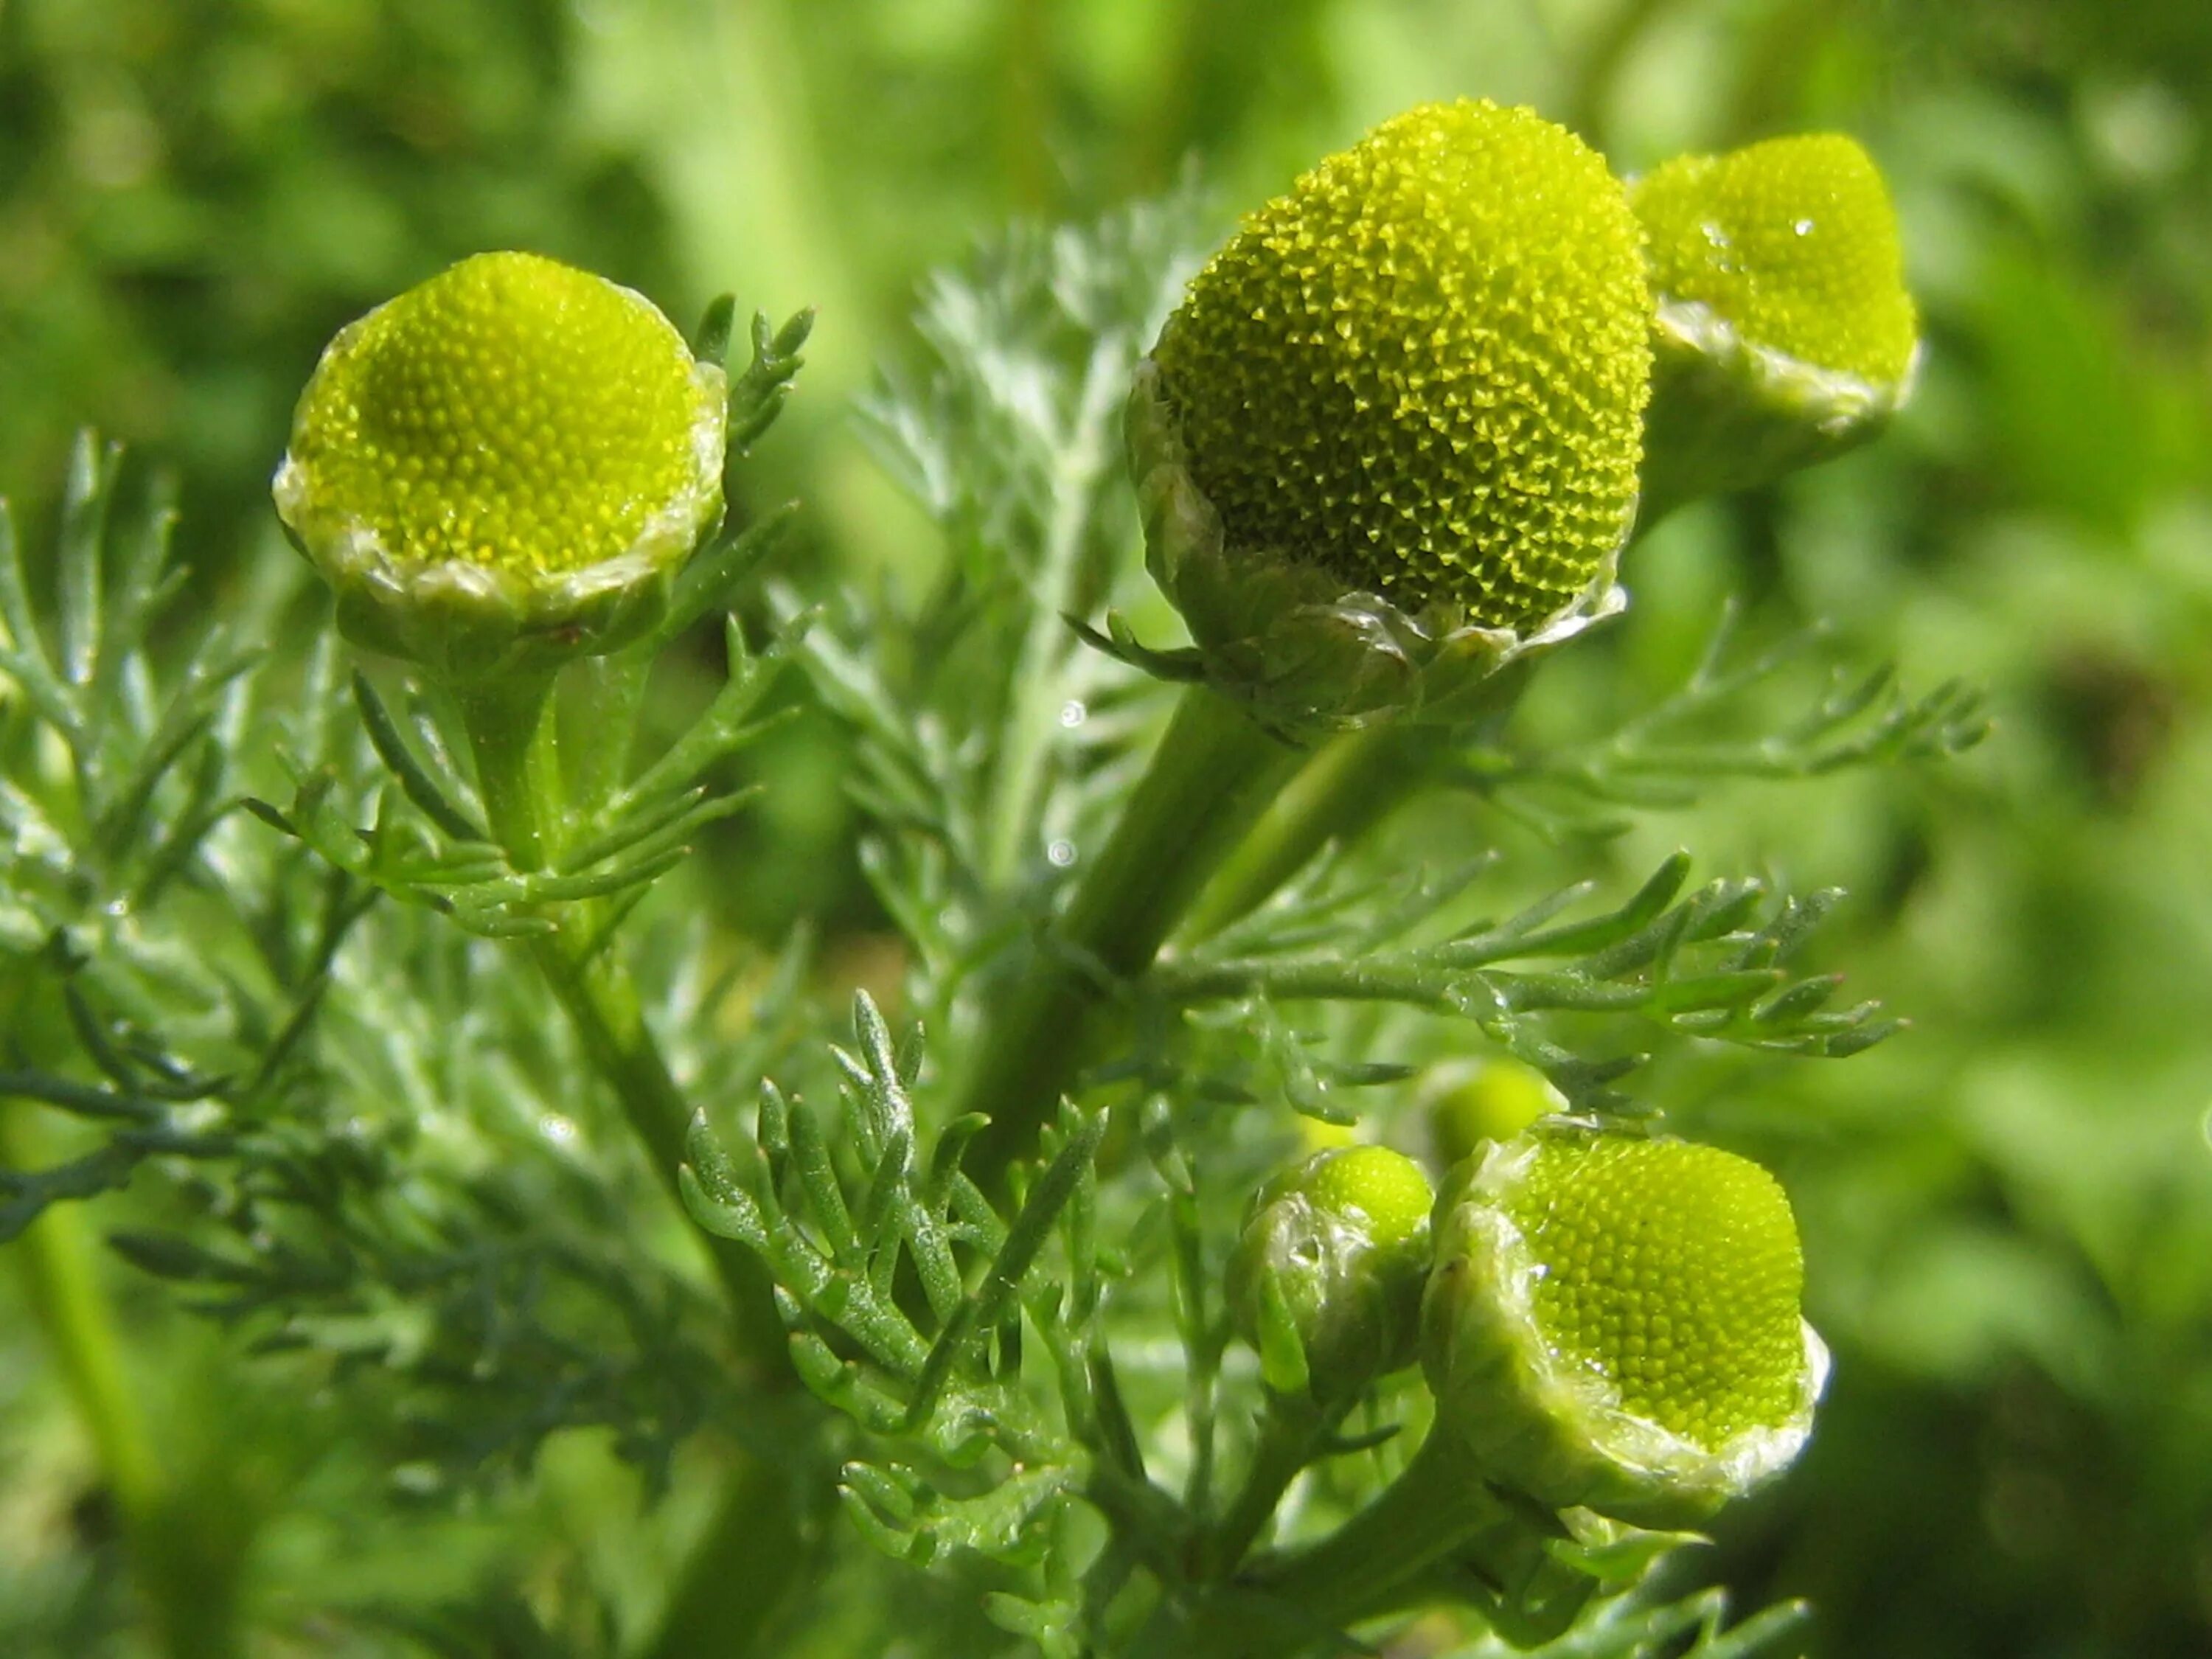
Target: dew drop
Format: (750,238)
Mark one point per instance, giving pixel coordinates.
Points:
(559,1130)
(1062,853)
(1072,713)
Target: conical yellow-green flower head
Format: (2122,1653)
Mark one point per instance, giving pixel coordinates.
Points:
(1614,1322)
(511,413)
(1423,368)
(1792,244)
(1673,1270)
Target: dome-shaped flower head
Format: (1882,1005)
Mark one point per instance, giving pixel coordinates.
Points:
(1614,1322)
(1334,1254)
(515,455)
(1780,290)
(1398,417)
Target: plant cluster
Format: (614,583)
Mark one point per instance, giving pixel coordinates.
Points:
(366,970)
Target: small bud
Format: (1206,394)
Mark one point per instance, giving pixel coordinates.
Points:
(1615,1323)
(1472,1103)
(1390,439)
(510,460)
(1784,334)
(1326,1278)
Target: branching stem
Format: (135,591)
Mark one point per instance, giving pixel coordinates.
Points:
(1350,785)
(515,738)
(1438,1509)
(1290,1432)
(1213,775)
(516,741)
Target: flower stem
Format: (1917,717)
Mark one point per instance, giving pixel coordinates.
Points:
(1290,1433)
(757,1550)
(603,1006)
(756,1560)
(515,740)
(1350,785)
(600,719)
(516,746)
(1438,1509)
(186,1574)
(1213,775)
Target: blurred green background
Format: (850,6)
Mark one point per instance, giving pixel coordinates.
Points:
(2009,1212)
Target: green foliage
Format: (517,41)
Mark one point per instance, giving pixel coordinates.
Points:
(941,1390)
(235,1008)
(314,1085)
(1693,737)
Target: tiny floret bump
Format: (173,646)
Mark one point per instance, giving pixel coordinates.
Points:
(1423,368)
(1791,242)
(511,413)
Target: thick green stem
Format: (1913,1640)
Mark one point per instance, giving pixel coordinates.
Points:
(1348,787)
(599,724)
(1290,1434)
(1213,775)
(1437,1510)
(1351,786)
(602,1004)
(757,1552)
(756,1561)
(596,993)
(188,1574)
(515,744)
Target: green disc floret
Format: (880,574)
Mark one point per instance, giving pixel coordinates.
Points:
(1793,243)
(511,413)
(1423,369)
(1673,1270)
